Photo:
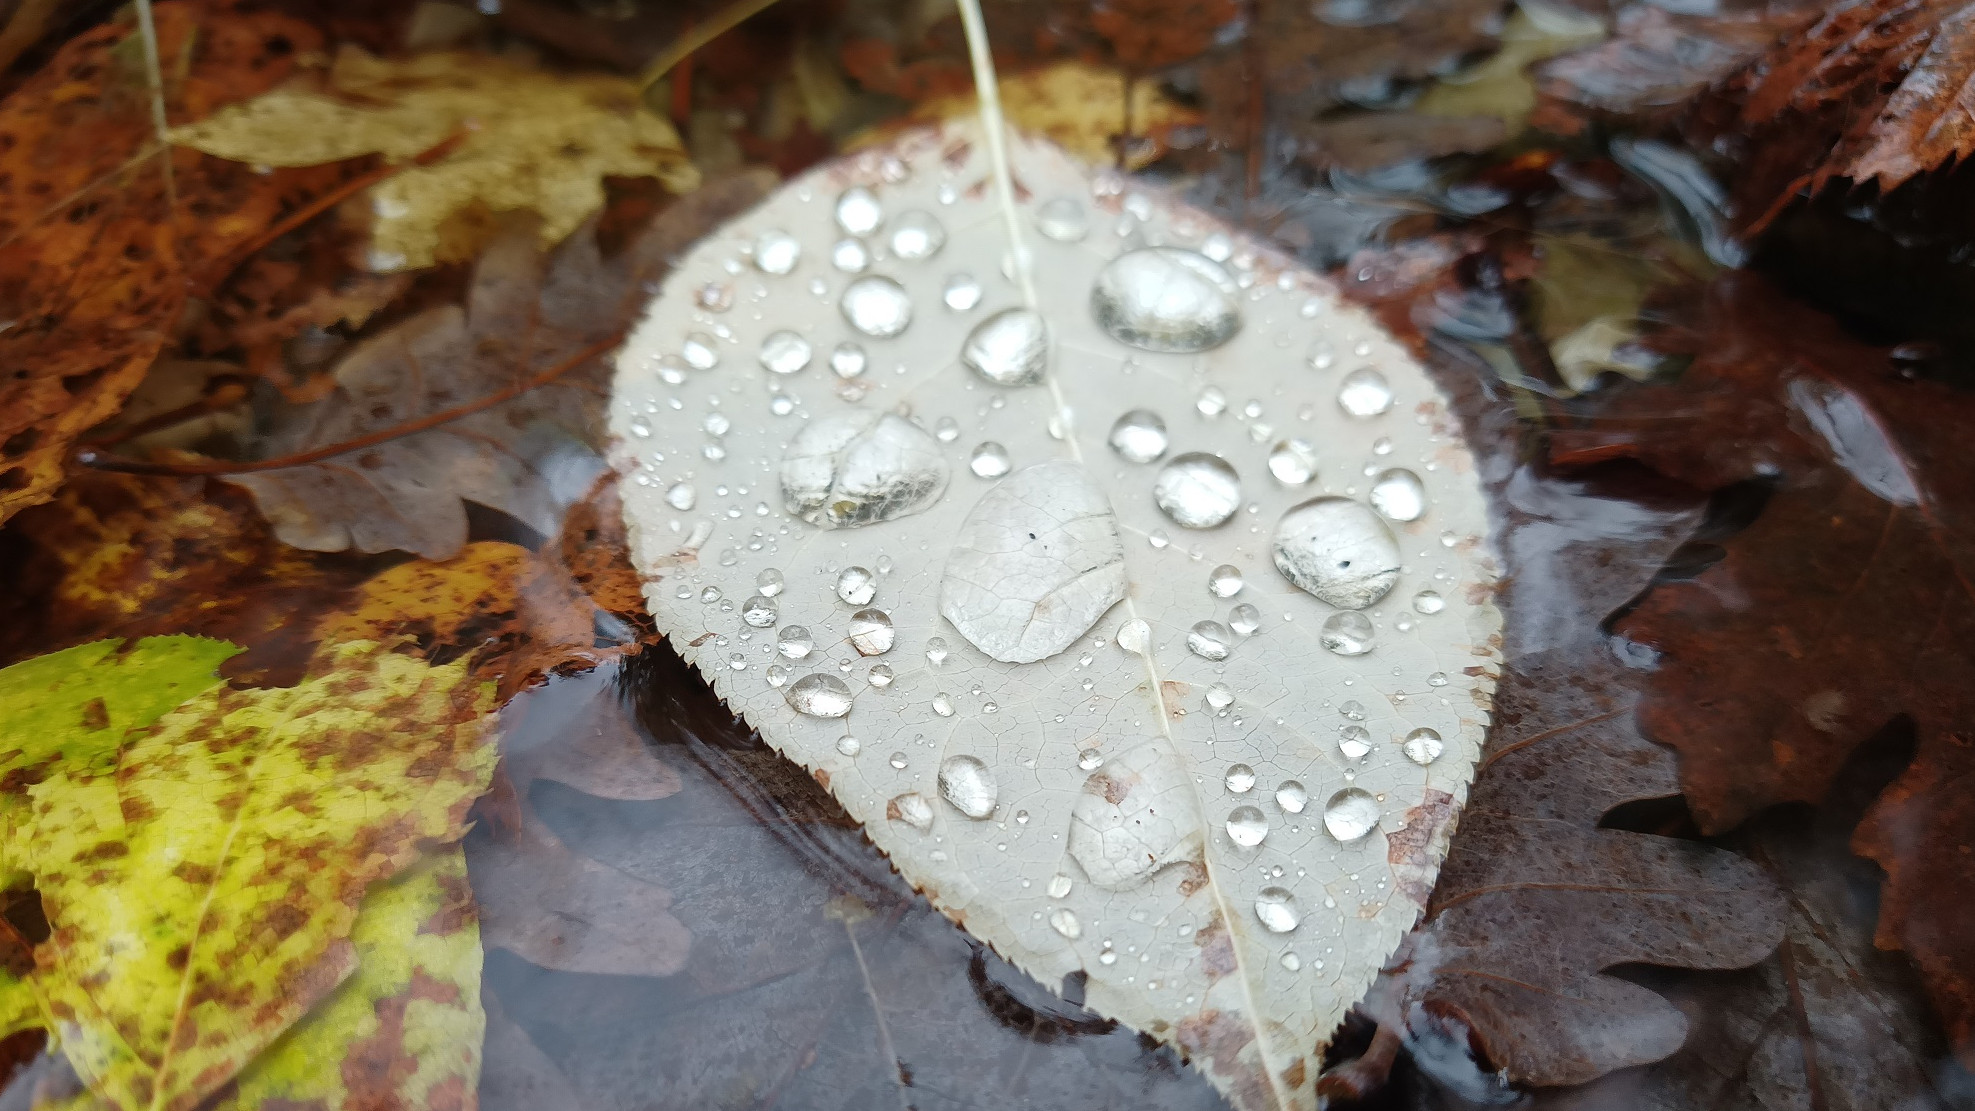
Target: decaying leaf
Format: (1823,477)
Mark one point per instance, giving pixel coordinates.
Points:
(1077,106)
(1204,819)
(95,264)
(201,894)
(536,141)
(528,457)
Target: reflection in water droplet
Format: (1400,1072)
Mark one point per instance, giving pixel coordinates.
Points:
(1276,908)
(1219,696)
(943,704)
(962,292)
(1347,633)
(759,612)
(1245,620)
(769,583)
(1090,759)
(776,252)
(1010,348)
(1246,826)
(1429,602)
(912,809)
(1209,640)
(857,585)
(795,643)
(858,211)
(1139,436)
(968,784)
(1350,814)
(1293,462)
(1364,393)
(820,696)
(859,469)
(1197,490)
(1354,741)
(881,676)
(1064,921)
(1291,796)
(1063,219)
(700,351)
(849,745)
(1399,494)
(876,306)
(989,460)
(682,496)
(917,235)
(871,632)
(1225,581)
(1166,299)
(1423,746)
(1135,636)
(847,360)
(1338,550)
(1240,778)
(784,352)
(936,652)
(1059,886)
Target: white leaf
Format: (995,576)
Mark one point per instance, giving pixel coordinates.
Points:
(1158,755)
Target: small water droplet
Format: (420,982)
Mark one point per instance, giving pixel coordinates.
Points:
(777,675)
(881,676)
(682,496)
(1059,886)
(1436,679)
(1354,741)
(1212,402)
(1107,957)
(989,460)
(1399,495)
(769,583)
(967,783)
(710,595)
(1338,550)
(1064,921)
(876,306)
(777,252)
(1247,826)
(640,427)
(1350,814)
(1090,759)
(946,430)
(1225,581)
(912,809)
(1010,348)
(1347,633)
(795,643)
(1423,746)
(784,352)
(1429,602)
(1197,490)
(1219,696)
(1364,393)
(936,652)
(962,292)
(1166,299)
(700,351)
(917,235)
(1276,908)
(1217,246)
(1139,436)
(850,256)
(857,585)
(716,424)
(759,612)
(1063,219)
(897,761)
(1135,636)
(1209,640)
(819,695)
(943,704)
(847,360)
(871,632)
(1245,620)
(849,745)
(1158,539)
(1240,778)
(1293,462)
(1322,356)
(858,211)
(1353,710)
(1291,796)
(1292,962)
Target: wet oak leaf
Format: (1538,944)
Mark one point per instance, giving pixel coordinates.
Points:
(1846,603)
(201,895)
(536,141)
(95,264)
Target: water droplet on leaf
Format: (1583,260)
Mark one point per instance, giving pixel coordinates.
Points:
(989,460)
(876,306)
(1423,746)
(1347,633)
(1197,490)
(1399,495)
(1166,299)
(1350,814)
(1010,348)
(1247,826)
(968,784)
(871,632)
(1338,550)
(819,695)
(1275,907)
(1139,436)
(1364,393)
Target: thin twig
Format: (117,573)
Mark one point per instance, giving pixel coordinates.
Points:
(147,33)
(103,462)
(689,43)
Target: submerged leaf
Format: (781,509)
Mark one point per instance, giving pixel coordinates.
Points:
(1195,797)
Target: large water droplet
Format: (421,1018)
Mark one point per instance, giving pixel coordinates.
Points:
(871,632)
(1139,436)
(1275,907)
(917,235)
(858,469)
(968,784)
(1350,814)
(1399,494)
(1197,490)
(912,809)
(1063,219)
(1347,633)
(682,496)
(1225,581)
(784,352)
(1247,826)
(858,211)
(1240,778)
(819,695)
(857,585)
(962,292)
(1210,640)
(777,252)
(1291,796)
(759,612)
(1293,462)
(1135,636)
(1010,348)
(1166,299)
(1338,550)
(876,306)
(1364,393)
(1423,746)
(989,460)
(1134,816)
(795,642)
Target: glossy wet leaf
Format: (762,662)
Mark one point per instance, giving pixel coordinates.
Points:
(1132,865)
(202,892)
(534,141)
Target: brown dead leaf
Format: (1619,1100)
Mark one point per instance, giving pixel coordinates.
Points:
(95,265)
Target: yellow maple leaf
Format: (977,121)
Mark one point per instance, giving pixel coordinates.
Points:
(533,140)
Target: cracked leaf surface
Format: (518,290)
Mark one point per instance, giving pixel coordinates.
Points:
(1114,845)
